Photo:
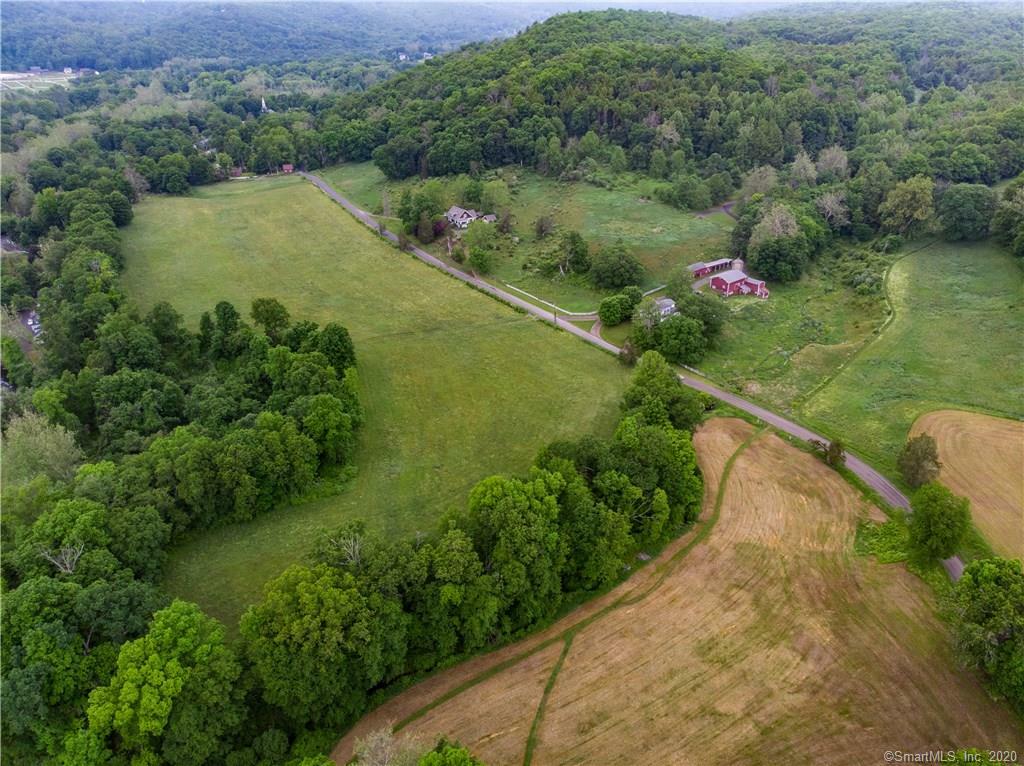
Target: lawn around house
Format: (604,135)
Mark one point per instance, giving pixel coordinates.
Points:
(954,343)
(456,386)
(663,238)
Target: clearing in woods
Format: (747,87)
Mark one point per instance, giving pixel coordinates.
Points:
(765,642)
(456,386)
(983,459)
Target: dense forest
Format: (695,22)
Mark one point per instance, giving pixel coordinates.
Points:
(126,432)
(828,126)
(119,35)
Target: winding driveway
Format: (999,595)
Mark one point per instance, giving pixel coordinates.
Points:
(953,566)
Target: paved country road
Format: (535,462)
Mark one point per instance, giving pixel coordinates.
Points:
(867,474)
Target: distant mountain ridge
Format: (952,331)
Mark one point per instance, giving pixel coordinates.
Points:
(132,35)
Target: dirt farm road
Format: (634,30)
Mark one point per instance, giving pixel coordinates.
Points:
(953,566)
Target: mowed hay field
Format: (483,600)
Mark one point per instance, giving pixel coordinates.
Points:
(983,459)
(456,386)
(766,642)
(954,343)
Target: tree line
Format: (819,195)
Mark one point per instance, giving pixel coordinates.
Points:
(182,431)
(694,109)
(101,667)
(367,612)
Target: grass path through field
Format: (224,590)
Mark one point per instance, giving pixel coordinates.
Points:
(953,343)
(414,704)
(874,479)
(456,387)
(673,561)
(890,314)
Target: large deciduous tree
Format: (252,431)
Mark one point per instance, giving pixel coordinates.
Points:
(655,382)
(34,446)
(271,315)
(514,526)
(938,522)
(335,343)
(1008,221)
(987,607)
(909,207)
(175,697)
(318,644)
(965,211)
(614,267)
(682,339)
(918,461)
(455,606)
(802,171)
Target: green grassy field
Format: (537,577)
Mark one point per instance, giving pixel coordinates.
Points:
(363,183)
(954,343)
(662,238)
(456,386)
(778,350)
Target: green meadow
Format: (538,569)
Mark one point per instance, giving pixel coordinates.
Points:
(456,386)
(954,343)
(777,350)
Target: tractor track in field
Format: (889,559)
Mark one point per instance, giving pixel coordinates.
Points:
(565,629)
(874,479)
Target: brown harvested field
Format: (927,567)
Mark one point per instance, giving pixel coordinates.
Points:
(716,445)
(983,459)
(767,641)
(510,700)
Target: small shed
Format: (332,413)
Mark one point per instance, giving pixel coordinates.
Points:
(701,269)
(287,168)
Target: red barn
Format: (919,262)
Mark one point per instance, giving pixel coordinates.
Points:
(287,168)
(701,269)
(735,282)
